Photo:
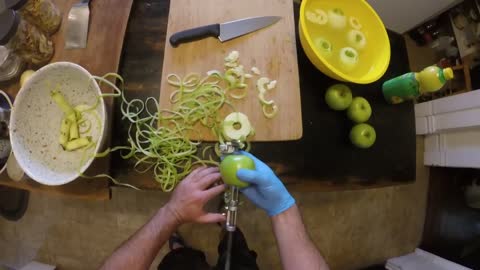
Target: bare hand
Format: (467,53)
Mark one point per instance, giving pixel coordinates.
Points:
(191,195)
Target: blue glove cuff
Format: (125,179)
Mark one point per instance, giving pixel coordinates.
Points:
(287,203)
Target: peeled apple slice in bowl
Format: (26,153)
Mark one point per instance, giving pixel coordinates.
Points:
(318,17)
(324,46)
(348,58)
(355,23)
(337,18)
(357,39)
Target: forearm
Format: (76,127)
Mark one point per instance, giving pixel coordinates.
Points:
(140,250)
(291,236)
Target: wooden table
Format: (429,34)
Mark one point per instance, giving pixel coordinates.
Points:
(101,55)
(305,165)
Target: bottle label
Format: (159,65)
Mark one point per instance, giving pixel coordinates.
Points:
(401,88)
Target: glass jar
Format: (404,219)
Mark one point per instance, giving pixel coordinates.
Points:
(10,64)
(42,13)
(24,39)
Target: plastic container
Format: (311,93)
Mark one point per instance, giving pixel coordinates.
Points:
(411,85)
(10,64)
(42,13)
(24,39)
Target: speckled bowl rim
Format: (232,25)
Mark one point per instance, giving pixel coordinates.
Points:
(20,96)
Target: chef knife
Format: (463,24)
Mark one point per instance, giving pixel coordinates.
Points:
(223,31)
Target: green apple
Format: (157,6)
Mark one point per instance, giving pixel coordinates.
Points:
(338,97)
(363,135)
(229,167)
(360,110)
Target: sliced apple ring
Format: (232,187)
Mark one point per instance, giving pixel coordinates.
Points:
(348,58)
(355,24)
(236,126)
(324,46)
(337,18)
(318,17)
(357,39)
(270,110)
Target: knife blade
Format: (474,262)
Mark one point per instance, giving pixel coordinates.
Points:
(223,31)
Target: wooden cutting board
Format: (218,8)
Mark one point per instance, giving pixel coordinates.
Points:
(272,50)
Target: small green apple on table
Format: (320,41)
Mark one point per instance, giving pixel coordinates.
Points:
(363,135)
(360,110)
(339,97)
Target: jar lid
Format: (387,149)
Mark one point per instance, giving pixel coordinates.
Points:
(11,4)
(9,21)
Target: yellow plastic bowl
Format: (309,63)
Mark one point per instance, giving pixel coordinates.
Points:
(378,44)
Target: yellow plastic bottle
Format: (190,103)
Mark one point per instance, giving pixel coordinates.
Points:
(433,78)
(413,84)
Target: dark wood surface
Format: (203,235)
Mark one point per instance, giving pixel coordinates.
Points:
(323,159)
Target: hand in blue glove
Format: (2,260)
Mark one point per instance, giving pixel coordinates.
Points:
(266,190)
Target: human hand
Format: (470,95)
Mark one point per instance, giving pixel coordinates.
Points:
(191,195)
(266,190)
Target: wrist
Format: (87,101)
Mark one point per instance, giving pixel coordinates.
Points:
(285,204)
(171,214)
(285,215)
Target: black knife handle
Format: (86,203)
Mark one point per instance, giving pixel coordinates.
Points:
(212,30)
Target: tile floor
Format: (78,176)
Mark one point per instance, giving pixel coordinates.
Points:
(353,229)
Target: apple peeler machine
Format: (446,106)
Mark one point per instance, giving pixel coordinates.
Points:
(231,200)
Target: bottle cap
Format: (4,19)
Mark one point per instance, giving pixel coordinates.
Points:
(9,21)
(448,73)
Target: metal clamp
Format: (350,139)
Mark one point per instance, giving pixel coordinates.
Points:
(228,148)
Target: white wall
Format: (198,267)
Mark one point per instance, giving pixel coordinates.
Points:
(403,15)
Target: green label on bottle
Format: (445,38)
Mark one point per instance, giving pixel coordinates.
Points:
(401,88)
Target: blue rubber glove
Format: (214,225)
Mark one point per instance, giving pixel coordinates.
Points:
(266,190)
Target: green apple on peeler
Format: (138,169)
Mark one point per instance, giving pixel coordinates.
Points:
(229,167)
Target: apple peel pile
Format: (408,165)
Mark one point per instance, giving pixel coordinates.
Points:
(264,84)
(158,140)
(200,99)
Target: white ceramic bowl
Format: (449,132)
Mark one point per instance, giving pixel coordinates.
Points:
(35,123)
